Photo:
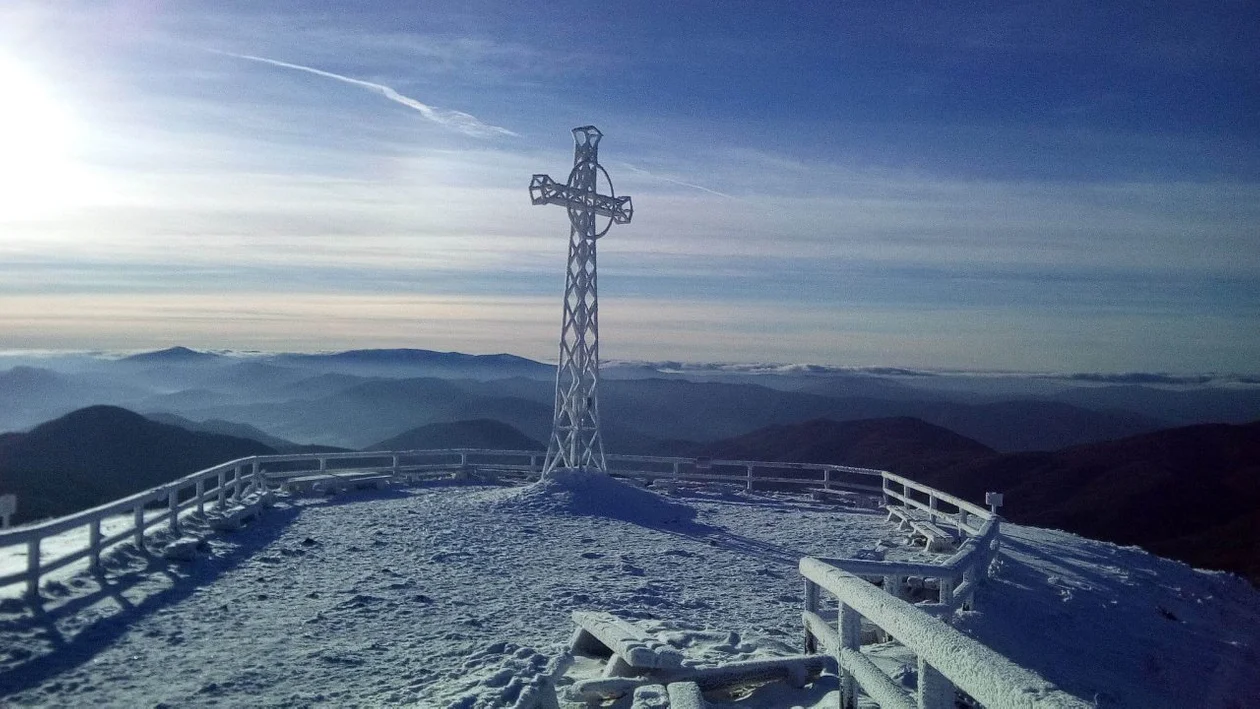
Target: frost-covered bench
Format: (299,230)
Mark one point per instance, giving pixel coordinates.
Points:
(938,540)
(648,669)
(234,517)
(336,482)
(632,650)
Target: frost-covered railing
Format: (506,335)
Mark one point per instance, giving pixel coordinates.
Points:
(955,579)
(224,484)
(964,516)
(749,472)
(946,658)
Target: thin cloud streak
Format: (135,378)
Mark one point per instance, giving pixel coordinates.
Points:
(458,121)
(654,176)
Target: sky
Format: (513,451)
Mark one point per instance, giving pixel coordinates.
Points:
(1069,186)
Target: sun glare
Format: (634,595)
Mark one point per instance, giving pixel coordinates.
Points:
(38,172)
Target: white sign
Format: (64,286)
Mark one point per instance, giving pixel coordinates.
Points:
(8,505)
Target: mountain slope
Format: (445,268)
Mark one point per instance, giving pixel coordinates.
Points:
(31,395)
(477,433)
(242,430)
(672,408)
(101,453)
(1191,493)
(900,444)
(377,409)
(172,355)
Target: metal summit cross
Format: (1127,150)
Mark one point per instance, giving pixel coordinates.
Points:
(575,438)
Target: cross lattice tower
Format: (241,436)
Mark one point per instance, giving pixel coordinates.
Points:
(575,440)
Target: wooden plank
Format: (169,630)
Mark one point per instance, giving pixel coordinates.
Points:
(797,669)
(634,646)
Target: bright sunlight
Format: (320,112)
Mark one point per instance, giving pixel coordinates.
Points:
(38,172)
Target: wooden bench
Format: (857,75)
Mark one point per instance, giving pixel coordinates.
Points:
(232,518)
(796,670)
(642,666)
(633,651)
(938,540)
(336,482)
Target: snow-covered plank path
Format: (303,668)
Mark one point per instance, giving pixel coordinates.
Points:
(420,596)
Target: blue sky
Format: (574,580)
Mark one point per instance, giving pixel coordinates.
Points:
(1045,186)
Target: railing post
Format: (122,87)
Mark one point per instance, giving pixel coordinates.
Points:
(94,544)
(323,464)
(172,504)
(256,482)
(393,465)
(947,591)
(935,690)
(463,459)
(201,496)
(32,567)
(677,467)
(749,485)
(892,586)
(139,524)
(811,605)
(827,478)
(221,488)
(236,484)
(849,626)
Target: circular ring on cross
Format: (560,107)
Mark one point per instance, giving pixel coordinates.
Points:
(585,177)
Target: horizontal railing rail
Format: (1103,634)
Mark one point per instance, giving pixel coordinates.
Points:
(224,484)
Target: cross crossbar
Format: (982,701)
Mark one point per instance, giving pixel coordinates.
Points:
(544,190)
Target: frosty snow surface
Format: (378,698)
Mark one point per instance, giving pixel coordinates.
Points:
(460,595)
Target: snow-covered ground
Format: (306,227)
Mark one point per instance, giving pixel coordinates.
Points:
(460,595)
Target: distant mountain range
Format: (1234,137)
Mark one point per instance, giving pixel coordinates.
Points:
(358,398)
(478,433)
(413,362)
(102,453)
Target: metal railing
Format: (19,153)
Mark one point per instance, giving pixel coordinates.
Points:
(946,659)
(223,486)
(956,579)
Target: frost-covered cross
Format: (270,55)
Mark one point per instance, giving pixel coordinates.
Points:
(575,438)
